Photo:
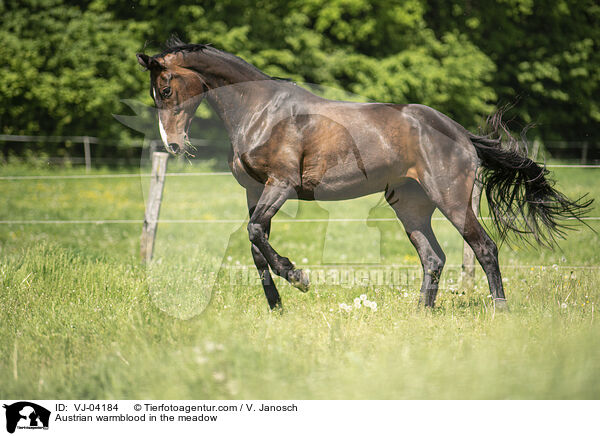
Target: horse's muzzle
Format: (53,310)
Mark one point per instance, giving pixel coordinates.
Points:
(173,148)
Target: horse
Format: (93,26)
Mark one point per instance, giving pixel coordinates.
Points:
(288,143)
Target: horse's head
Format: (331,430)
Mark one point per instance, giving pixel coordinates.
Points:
(177,91)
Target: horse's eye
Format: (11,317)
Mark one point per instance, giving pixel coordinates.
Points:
(166,92)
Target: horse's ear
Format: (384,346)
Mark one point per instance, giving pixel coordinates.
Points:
(144,60)
(148,62)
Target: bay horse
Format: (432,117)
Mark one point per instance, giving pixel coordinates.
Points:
(288,143)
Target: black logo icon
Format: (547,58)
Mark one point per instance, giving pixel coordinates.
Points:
(26,415)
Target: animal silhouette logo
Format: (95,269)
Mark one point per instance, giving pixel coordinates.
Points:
(26,415)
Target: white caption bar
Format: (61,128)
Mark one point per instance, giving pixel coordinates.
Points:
(297,417)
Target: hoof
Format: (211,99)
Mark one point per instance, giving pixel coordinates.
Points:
(277,309)
(299,279)
(501,305)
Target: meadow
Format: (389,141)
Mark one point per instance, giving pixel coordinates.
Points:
(82,318)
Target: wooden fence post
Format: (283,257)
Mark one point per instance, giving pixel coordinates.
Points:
(86,154)
(157,184)
(584,152)
(468,266)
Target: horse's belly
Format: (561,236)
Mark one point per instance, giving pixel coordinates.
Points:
(342,184)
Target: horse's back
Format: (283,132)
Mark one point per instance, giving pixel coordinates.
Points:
(336,150)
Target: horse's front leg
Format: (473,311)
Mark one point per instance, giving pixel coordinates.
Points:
(272,198)
(260,261)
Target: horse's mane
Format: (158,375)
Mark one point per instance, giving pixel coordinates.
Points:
(176,45)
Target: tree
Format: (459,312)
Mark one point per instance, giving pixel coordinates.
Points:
(379,50)
(65,70)
(69,64)
(547,58)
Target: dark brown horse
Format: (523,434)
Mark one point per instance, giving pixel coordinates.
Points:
(289,143)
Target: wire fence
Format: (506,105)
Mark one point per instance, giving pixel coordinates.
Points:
(555,267)
(110,176)
(235,221)
(190,174)
(211,221)
(281,220)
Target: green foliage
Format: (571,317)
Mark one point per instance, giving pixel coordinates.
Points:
(378,50)
(68,64)
(547,57)
(65,70)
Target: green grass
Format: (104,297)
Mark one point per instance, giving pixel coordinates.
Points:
(82,318)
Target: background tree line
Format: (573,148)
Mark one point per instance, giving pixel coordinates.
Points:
(68,64)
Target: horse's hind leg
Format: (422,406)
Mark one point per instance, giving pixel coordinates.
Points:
(271,199)
(260,261)
(461,214)
(414,209)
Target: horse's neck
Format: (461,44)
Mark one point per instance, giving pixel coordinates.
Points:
(236,103)
(229,81)
(250,107)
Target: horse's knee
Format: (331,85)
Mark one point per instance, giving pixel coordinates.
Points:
(255,232)
(435,264)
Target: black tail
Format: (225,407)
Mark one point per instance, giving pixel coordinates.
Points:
(521,197)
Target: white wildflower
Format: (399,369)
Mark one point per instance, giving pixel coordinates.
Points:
(363,297)
(345,307)
(357,302)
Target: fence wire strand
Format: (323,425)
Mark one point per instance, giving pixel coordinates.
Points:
(192,174)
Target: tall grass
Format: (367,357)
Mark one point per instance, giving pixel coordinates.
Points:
(82,318)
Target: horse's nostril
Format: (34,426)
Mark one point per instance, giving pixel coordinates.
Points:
(174,146)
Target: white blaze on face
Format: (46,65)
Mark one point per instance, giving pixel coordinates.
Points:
(163,133)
